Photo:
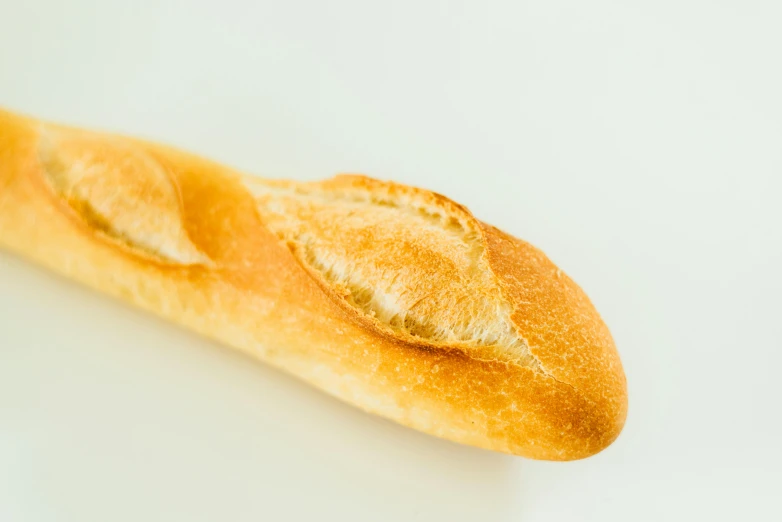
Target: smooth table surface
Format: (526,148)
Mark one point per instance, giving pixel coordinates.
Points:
(638,144)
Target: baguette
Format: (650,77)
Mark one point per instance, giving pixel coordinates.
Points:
(392,298)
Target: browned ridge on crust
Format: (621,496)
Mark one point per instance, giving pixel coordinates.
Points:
(392,298)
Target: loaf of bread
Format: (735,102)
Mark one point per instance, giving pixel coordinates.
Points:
(392,298)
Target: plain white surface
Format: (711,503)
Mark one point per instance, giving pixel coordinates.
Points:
(638,143)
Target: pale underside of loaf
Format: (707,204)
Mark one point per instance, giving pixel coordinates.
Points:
(394,299)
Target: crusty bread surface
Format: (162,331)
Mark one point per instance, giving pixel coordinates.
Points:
(392,298)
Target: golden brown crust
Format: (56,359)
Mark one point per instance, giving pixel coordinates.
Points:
(392,298)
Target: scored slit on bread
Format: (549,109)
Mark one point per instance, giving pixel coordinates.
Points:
(411,262)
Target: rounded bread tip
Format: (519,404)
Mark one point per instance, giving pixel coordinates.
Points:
(606,420)
(573,426)
(581,401)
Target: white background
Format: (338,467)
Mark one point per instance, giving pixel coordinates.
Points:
(638,143)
